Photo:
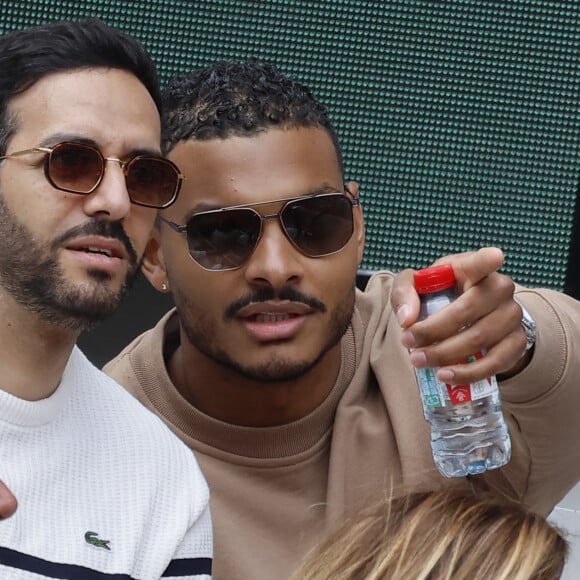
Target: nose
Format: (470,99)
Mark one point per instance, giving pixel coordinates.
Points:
(110,200)
(275,261)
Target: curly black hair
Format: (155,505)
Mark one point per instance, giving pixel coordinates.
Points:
(238,99)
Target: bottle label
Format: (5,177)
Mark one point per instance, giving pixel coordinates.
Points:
(429,388)
(435,393)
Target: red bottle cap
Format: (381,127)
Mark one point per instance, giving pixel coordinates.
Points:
(434,278)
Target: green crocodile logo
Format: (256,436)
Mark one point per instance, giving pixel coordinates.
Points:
(93,539)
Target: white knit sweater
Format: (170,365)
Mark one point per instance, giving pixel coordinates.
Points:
(104,489)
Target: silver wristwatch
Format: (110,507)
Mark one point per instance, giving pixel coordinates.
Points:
(529,326)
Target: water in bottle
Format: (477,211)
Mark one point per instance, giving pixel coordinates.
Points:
(468,431)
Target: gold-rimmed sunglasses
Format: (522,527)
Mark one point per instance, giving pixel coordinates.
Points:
(79,168)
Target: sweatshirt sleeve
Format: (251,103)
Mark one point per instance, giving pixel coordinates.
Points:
(544,400)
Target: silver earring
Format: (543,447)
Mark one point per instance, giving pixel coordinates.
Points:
(164,287)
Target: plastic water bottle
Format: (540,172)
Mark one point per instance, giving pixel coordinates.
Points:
(468,431)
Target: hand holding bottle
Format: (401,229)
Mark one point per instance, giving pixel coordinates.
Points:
(485,311)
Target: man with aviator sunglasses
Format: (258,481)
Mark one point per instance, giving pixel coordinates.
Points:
(295,390)
(104,488)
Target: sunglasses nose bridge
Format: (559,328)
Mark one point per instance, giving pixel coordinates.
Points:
(123,164)
(104,165)
(280,217)
(103,170)
(271,216)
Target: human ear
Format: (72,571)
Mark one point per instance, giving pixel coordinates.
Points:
(359,224)
(153,265)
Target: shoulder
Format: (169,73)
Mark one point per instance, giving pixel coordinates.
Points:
(114,410)
(377,290)
(373,304)
(124,441)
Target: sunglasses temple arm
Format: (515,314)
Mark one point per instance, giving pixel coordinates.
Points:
(181,229)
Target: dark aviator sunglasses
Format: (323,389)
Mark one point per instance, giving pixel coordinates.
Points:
(225,238)
(79,168)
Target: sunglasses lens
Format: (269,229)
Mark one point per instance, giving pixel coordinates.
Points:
(223,240)
(75,167)
(320,225)
(152,182)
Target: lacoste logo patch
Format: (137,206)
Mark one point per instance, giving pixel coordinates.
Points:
(93,539)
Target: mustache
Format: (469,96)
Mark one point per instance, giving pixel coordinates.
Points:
(268,293)
(102,228)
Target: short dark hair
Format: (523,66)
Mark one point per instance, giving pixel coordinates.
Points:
(28,55)
(238,99)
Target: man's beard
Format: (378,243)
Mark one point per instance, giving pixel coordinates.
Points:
(200,331)
(30,273)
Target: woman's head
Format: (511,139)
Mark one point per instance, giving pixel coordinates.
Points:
(443,535)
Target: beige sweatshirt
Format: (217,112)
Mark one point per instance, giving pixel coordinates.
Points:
(275,490)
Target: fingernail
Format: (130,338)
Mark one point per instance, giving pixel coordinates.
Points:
(402,312)
(408,340)
(445,375)
(418,359)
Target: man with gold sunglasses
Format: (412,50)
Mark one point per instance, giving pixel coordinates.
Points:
(295,390)
(104,489)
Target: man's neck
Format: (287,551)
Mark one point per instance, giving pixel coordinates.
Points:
(33,353)
(225,394)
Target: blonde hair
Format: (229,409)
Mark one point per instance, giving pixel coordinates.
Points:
(441,535)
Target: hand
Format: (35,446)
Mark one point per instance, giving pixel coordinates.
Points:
(8,502)
(485,316)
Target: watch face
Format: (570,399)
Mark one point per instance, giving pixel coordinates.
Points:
(529,326)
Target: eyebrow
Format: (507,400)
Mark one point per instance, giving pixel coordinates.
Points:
(57,138)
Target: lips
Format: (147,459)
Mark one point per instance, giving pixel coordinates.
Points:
(273,321)
(271,317)
(100,251)
(283,308)
(108,247)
